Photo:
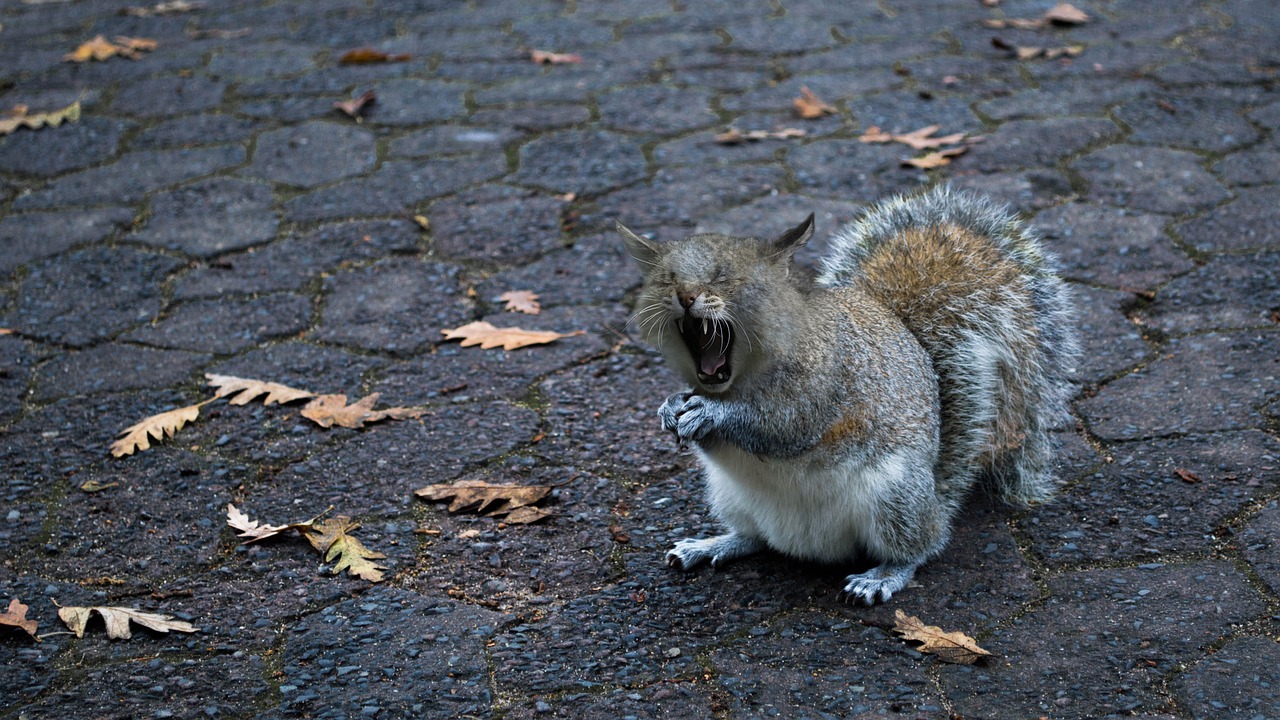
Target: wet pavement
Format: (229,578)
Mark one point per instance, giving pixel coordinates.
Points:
(211,212)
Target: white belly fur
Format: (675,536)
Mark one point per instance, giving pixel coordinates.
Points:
(815,511)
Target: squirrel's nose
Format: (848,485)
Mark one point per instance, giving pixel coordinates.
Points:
(686,299)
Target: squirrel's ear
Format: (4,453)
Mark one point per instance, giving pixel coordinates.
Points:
(645,252)
(795,238)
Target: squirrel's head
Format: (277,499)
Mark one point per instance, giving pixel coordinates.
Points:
(709,299)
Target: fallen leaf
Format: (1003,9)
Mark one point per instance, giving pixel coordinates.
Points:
(16,616)
(367,55)
(1066,14)
(19,117)
(921,140)
(6,331)
(1016,23)
(1187,476)
(951,647)
(733,136)
(354,106)
(935,159)
(329,410)
(525,515)
(619,535)
(1068,51)
(487,336)
(524,301)
(159,427)
(117,620)
(542,57)
(99,49)
(164,8)
(809,106)
(1000,44)
(1026,53)
(93,486)
(874,134)
(333,539)
(255,530)
(245,390)
(423,222)
(479,496)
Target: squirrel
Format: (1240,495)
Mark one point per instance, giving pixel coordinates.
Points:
(850,415)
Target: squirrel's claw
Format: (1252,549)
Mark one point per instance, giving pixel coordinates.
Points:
(878,584)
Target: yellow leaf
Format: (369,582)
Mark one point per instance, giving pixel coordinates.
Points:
(333,539)
(542,57)
(809,106)
(935,159)
(329,410)
(245,390)
(951,647)
(487,336)
(117,620)
(159,426)
(54,118)
(523,301)
(16,616)
(478,496)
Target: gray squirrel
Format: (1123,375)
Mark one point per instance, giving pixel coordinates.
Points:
(851,416)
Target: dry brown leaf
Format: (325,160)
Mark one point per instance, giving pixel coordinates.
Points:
(921,140)
(164,8)
(809,106)
(19,117)
(487,336)
(1068,51)
(1187,476)
(423,222)
(952,647)
(254,530)
(542,57)
(333,539)
(329,410)
(16,616)
(524,301)
(935,159)
(99,49)
(1026,53)
(874,134)
(93,486)
(244,390)
(6,331)
(159,427)
(1016,23)
(354,106)
(367,55)
(117,620)
(1066,14)
(733,136)
(478,496)
(525,515)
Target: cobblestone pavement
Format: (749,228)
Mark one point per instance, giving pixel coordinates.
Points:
(212,212)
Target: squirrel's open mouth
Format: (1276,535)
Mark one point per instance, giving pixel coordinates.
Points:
(710,342)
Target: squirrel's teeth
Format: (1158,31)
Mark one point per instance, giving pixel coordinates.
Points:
(704,326)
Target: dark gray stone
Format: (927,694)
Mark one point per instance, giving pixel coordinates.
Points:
(17,363)
(396,306)
(1035,143)
(1259,167)
(1238,682)
(227,326)
(113,367)
(1153,179)
(210,217)
(413,102)
(38,235)
(395,188)
(1112,246)
(680,196)
(312,154)
(1023,192)
(1066,96)
(853,170)
(168,96)
(1187,122)
(660,110)
(1261,538)
(207,129)
(70,146)
(1112,343)
(454,139)
(132,176)
(534,118)
(1251,221)
(1228,292)
(582,162)
(496,225)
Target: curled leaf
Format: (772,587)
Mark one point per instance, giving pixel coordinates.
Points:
(951,647)
(253,529)
(166,424)
(366,56)
(478,496)
(809,106)
(354,106)
(487,336)
(935,159)
(19,117)
(329,410)
(542,57)
(523,301)
(242,391)
(16,616)
(117,620)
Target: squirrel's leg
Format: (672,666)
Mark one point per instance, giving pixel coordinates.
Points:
(880,583)
(690,553)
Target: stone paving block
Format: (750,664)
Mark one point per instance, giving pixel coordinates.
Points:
(1112,246)
(832,87)
(1240,681)
(210,217)
(395,306)
(75,145)
(1138,507)
(1260,538)
(533,118)
(1035,143)
(496,225)
(1103,642)
(132,176)
(660,110)
(595,270)
(413,102)
(670,700)
(582,162)
(395,188)
(227,326)
(901,111)
(168,95)
(117,287)
(17,363)
(1065,96)
(683,195)
(1200,383)
(1228,292)
(1259,167)
(390,653)
(292,263)
(1251,221)
(265,60)
(33,236)
(1187,122)
(1152,179)
(1112,343)
(204,129)
(312,154)
(561,33)
(454,139)
(786,34)
(852,170)
(701,149)
(1023,192)
(112,367)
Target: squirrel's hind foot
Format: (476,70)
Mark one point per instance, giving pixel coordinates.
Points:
(878,584)
(690,553)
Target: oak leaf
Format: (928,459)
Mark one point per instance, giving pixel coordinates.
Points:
(809,106)
(524,301)
(117,620)
(366,56)
(333,539)
(921,139)
(329,410)
(93,486)
(951,647)
(255,530)
(16,616)
(100,49)
(355,106)
(478,496)
(487,336)
(938,158)
(733,136)
(20,117)
(242,391)
(542,57)
(166,424)
(525,514)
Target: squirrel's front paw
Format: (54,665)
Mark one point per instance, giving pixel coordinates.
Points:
(688,416)
(669,413)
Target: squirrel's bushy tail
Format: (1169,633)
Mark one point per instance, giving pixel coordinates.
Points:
(982,297)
